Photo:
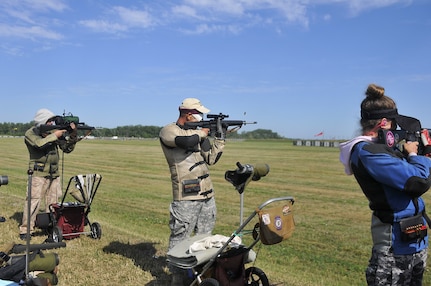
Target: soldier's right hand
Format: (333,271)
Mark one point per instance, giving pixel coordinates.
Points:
(60,133)
(206,130)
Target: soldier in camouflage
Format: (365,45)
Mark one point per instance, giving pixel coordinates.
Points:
(44,162)
(188,153)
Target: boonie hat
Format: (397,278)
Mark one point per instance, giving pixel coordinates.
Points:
(193,104)
(42,116)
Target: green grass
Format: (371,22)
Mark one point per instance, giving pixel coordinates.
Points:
(330,246)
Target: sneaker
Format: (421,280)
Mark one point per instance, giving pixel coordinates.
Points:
(2,219)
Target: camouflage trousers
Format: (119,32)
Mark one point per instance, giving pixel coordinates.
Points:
(43,190)
(388,269)
(188,217)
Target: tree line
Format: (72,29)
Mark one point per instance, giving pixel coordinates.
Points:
(133,131)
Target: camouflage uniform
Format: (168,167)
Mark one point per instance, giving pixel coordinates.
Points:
(193,208)
(385,268)
(44,161)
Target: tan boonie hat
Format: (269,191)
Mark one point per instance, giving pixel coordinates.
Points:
(42,116)
(193,104)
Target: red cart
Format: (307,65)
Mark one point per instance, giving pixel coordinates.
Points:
(67,220)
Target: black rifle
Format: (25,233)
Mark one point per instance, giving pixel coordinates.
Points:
(395,138)
(218,125)
(63,123)
(18,248)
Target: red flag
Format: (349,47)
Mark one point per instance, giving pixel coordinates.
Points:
(319,134)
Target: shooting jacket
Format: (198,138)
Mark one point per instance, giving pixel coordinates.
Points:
(393,185)
(43,151)
(188,154)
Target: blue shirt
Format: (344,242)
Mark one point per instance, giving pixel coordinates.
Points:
(393,185)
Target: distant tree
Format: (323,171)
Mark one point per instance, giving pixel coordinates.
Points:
(256,134)
(14,129)
(137,131)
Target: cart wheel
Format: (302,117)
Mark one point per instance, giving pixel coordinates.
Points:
(96,230)
(256,277)
(209,282)
(57,234)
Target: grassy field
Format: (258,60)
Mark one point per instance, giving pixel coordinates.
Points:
(330,245)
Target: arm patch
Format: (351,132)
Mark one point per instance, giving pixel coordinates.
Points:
(187,142)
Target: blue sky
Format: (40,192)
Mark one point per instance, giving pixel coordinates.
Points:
(296,67)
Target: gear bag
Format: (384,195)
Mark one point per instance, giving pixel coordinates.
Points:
(276,224)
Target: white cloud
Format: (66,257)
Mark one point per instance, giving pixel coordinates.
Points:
(46,5)
(185,11)
(294,11)
(208,16)
(34,5)
(28,19)
(256,11)
(11,50)
(31,32)
(134,18)
(103,26)
(355,7)
(209,29)
(226,6)
(120,19)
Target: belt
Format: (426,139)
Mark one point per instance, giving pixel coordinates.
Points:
(206,193)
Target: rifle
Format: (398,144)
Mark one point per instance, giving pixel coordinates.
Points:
(395,139)
(218,125)
(63,123)
(18,248)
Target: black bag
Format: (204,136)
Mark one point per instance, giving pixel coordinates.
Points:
(413,228)
(38,261)
(230,269)
(15,271)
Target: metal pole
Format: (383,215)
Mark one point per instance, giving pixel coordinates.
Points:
(27,252)
(241,209)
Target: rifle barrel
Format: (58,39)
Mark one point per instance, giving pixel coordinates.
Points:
(18,248)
